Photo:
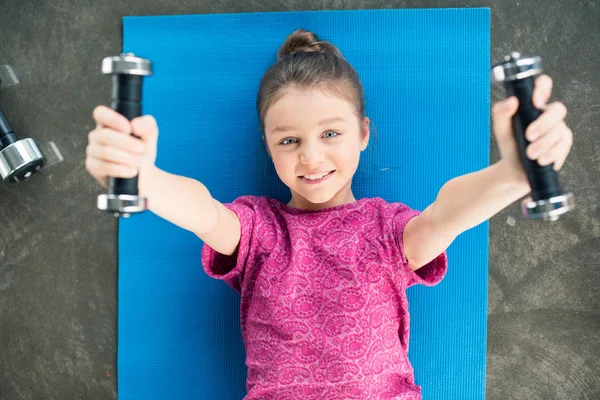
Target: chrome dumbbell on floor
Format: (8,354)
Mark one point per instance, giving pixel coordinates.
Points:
(19,159)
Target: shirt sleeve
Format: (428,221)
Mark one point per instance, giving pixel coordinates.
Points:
(231,269)
(429,274)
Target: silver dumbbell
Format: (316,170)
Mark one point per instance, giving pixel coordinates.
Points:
(19,159)
(548,200)
(128,72)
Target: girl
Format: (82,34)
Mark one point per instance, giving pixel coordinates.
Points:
(323,279)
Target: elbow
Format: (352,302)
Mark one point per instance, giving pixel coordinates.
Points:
(427,242)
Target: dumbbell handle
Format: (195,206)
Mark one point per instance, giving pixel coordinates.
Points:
(7,134)
(542,179)
(5,127)
(127,72)
(126,100)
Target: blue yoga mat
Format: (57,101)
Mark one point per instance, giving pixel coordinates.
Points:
(426,78)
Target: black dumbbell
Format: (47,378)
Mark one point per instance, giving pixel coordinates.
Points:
(547,201)
(19,159)
(128,72)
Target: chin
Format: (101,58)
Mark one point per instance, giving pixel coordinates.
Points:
(319,199)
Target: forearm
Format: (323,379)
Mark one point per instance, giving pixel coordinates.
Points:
(183,201)
(468,200)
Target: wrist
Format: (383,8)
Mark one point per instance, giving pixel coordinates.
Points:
(514,178)
(147,180)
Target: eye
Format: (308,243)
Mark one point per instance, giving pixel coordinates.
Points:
(285,143)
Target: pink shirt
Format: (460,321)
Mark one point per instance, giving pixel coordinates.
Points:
(324,313)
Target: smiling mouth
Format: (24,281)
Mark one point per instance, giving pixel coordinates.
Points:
(300,176)
(316,180)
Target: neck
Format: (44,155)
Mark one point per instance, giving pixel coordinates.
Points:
(342,197)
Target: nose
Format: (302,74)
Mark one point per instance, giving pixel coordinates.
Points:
(311,153)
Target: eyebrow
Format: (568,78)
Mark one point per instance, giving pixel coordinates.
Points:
(322,122)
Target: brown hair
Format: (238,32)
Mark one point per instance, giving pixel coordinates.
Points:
(305,62)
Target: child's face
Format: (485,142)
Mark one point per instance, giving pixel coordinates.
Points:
(309,131)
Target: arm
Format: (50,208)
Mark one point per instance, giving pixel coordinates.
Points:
(188,204)
(461,204)
(468,200)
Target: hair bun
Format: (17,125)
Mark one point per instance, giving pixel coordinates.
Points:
(306,41)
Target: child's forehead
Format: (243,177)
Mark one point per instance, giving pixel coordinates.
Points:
(309,105)
(314,94)
(280,124)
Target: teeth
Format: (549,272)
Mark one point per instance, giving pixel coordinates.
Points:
(315,177)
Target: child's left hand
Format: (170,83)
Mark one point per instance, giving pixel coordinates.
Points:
(553,140)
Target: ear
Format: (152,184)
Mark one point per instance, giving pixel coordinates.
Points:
(365,133)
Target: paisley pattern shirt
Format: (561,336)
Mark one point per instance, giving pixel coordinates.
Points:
(324,312)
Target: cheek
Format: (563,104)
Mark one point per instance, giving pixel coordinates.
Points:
(283,165)
(349,157)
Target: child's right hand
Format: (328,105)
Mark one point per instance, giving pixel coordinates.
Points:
(113,152)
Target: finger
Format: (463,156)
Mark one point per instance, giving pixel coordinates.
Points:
(100,169)
(90,166)
(109,137)
(542,90)
(502,113)
(109,118)
(144,126)
(557,154)
(553,114)
(564,150)
(113,155)
(546,141)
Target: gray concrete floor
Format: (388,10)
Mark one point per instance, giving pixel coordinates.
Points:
(58,256)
